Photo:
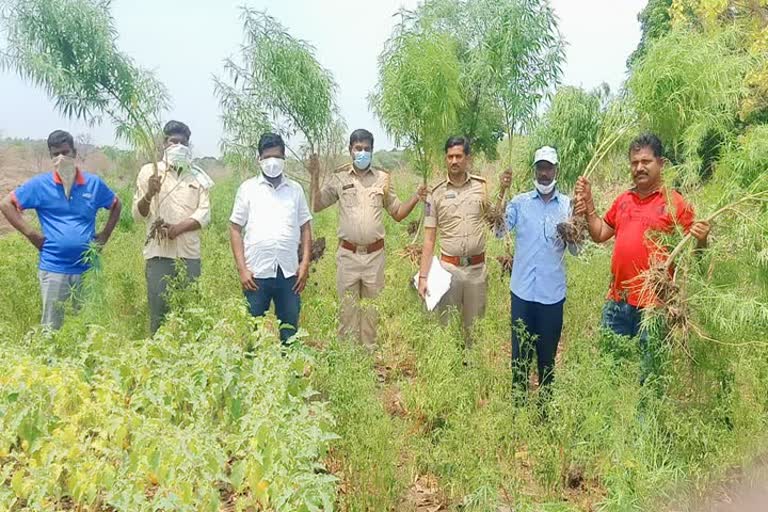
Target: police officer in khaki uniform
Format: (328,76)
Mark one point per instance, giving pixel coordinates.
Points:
(363,193)
(456,208)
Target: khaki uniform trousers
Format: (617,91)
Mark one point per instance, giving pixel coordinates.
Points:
(359,276)
(467,295)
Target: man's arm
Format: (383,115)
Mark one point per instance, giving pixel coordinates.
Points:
(238,251)
(599,230)
(320,199)
(198,220)
(16,219)
(306,257)
(146,189)
(406,208)
(427,252)
(114,217)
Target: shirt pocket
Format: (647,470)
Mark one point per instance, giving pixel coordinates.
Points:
(349,198)
(376,197)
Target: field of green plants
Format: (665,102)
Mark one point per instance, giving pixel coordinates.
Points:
(211,414)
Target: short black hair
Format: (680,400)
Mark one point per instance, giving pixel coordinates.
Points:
(59,138)
(458,141)
(176,128)
(647,140)
(271,140)
(361,135)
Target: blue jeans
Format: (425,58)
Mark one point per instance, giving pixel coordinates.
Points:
(626,320)
(287,303)
(535,328)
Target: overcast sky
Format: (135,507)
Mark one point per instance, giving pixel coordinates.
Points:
(186,42)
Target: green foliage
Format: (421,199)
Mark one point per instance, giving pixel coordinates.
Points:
(278,85)
(747,159)
(68,47)
(418,94)
(655,21)
(509,53)
(687,89)
(571,125)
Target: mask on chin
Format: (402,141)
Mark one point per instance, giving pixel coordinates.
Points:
(544,189)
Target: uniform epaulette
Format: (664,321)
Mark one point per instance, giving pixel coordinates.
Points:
(343,167)
(441,183)
(477,177)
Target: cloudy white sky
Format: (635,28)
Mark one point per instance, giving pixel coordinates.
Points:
(186,42)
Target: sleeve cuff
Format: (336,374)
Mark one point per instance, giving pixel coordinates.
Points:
(202,217)
(15,202)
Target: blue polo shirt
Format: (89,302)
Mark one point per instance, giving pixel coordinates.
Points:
(68,225)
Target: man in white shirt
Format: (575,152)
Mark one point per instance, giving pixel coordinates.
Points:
(269,219)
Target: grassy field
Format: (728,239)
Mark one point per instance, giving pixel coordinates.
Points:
(418,429)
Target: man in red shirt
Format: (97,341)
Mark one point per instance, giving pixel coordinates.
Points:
(634,216)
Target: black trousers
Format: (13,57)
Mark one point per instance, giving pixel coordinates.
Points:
(536,328)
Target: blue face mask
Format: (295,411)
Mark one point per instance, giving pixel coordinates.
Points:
(362,159)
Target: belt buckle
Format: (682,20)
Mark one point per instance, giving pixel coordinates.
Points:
(465,261)
(362,249)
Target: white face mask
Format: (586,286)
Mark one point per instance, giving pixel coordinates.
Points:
(65,166)
(178,156)
(272,167)
(544,189)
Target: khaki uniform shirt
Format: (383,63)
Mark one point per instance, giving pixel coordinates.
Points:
(457,213)
(362,199)
(181,197)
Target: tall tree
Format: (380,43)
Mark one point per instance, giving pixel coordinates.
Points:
(509,53)
(418,94)
(655,21)
(276,84)
(69,48)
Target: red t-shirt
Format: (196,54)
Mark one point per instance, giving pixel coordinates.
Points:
(632,219)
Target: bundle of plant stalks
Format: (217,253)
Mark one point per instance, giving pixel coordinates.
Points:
(157,231)
(494,216)
(661,281)
(412,252)
(506,262)
(318,250)
(614,127)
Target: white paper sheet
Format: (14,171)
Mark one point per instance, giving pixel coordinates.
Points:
(438,283)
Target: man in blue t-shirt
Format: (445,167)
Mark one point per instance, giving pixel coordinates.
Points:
(66,201)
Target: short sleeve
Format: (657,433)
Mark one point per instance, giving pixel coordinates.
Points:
(240,209)
(511,214)
(430,212)
(28,195)
(105,198)
(612,213)
(684,213)
(302,211)
(202,214)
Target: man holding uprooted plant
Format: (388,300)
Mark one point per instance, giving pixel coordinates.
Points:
(364,193)
(635,215)
(174,202)
(455,208)
(66,201)
(269,220)
(538,282)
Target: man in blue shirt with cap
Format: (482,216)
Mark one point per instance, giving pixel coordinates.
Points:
(66,201)
(538,270)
